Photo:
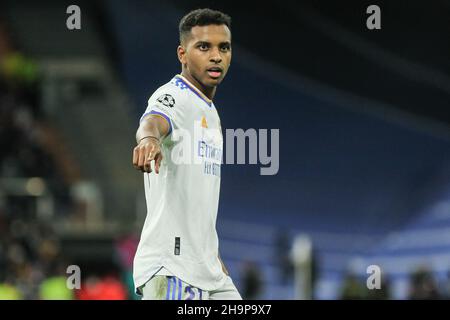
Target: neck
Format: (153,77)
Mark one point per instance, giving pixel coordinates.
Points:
(207,91)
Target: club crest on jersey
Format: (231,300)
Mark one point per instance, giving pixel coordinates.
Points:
(167,100)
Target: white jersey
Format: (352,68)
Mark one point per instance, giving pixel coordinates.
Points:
(179,232)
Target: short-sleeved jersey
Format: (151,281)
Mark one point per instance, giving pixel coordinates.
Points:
(179,232)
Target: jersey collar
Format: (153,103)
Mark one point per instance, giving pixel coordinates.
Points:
(200,94)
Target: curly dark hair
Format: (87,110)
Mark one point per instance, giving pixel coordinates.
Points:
(202,17)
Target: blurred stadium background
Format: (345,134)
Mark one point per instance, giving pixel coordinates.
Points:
(364,145)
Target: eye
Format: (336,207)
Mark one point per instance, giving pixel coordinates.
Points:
(203,46)
(225,48)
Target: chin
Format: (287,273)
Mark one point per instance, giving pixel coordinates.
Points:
(214,82)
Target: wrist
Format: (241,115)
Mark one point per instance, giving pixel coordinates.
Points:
(149,137)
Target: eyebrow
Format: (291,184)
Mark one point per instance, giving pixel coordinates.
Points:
(207,42)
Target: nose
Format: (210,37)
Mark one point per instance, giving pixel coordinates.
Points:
(215,56)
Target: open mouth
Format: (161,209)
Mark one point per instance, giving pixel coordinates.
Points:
(215,72)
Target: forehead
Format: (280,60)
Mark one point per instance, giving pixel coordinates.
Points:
(211,33)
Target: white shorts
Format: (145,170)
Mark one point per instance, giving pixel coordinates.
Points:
(162,287)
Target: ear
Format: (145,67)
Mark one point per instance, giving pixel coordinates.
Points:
(181,52)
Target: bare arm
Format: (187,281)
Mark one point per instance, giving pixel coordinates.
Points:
(223,267)
(148,137)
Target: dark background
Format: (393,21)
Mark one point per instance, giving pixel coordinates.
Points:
(364,126)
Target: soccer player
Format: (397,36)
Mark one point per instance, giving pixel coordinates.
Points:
(178,253)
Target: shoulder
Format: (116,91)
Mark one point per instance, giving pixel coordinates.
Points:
(170,94)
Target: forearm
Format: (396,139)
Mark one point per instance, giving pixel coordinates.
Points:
(152,127)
